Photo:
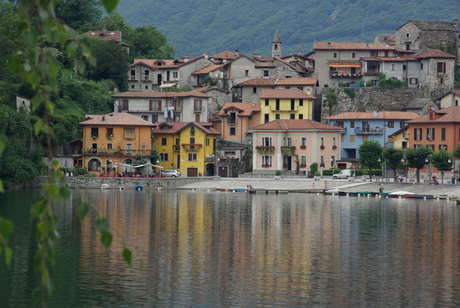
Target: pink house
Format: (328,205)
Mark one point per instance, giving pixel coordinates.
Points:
(282,144)
(236,119)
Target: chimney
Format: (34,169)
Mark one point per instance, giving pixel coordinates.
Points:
(185,59)
(376,113)
(205,55)
(103,118)
(236,53)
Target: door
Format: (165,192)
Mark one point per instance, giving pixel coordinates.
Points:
(223,171)
(192,172)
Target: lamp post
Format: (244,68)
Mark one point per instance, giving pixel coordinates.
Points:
(332,164)
(403,161)
(428,169)
(381,168)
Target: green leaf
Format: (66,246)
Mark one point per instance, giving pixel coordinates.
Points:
(128,256)
(110,5)
(6,228)
(102,224)
(8,255)
(82,210)
(106,239)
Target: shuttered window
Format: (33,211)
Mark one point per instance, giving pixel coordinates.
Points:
(128,133)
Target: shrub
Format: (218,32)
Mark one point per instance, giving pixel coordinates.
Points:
(314,168)
(278,172)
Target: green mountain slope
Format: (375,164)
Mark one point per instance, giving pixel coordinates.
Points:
(197,26)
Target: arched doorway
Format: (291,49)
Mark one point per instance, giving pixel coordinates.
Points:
(94,164)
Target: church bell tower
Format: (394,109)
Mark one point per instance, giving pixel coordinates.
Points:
(276,46)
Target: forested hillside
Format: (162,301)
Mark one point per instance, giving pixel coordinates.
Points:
(196,26)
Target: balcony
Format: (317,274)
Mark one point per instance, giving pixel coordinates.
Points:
(405,136)
(287,150)
(115,152)
(369,131)
(146,78)
(265,149)
(176,148)
(345,74)
(191,146)
(198,108)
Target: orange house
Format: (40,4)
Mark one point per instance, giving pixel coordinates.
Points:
(236,119)
(113,141)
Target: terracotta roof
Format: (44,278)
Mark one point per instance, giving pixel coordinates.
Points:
(244,109)
(279,81)
(177,127)
(295,125)
(396,115)
(133,94)
(115,119)
(142,63)
(263,59)
(265,64)
(435,53)
(207,69)
(454,92)
(285,93)
(449,114)
(166,63)
(210,88)
(227,54)
(351,46)
(395,59)
(106,36)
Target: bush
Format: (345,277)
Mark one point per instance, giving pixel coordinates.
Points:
(314,168)
(278,172)
(317,173)
(90,175)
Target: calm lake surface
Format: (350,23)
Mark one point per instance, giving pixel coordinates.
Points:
(207,249)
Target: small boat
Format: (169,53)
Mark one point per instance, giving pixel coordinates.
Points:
(105,186)
(138,187)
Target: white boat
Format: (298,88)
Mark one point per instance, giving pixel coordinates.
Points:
(105,186)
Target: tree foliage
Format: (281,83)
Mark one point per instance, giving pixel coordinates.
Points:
(416,158)
(79,14)
(392,157)
(442,160)
(370,151)
(331,100)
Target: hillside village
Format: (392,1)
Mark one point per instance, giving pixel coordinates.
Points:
(229,113)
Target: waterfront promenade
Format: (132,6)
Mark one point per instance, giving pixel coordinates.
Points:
(310,185)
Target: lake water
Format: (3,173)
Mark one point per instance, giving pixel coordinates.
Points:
(207,249)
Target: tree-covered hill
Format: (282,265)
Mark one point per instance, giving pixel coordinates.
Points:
(196,26)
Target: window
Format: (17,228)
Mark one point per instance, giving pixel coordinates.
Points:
(266,141)
(300,116)
(333,141)
(266,160)
(292,104)
(94,132)
(430,134)
(413,80)
(232,118)
(145,117)
(301,102)
(303,160)
(353,54)
(129,133)
(352,124)
(288,141)
(393,66)
(417,134)
(456,102)
(292,116)
(232,131)
(322,141)
(109,146)
(246,73)
(352,138)
(277,104)
(391,124)
(146,87)
(332,161)
(443,146)
(441,67)
(335,55)
(321,161)
(198,105)
(277,116)
(192,157)
(266,118)
(164,141)
(266,73)
(155,104)
(267,102)
(407,46)
(94,145)
(164,156)
(129,148)
(407,35)
(109,132)
(365,137)
(421,66)
(404,67)
(175,74)
(303,142)
(254,89)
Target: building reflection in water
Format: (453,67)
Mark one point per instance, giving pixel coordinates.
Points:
(244,249)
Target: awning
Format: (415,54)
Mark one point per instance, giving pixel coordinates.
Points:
(168,85)
(345,64)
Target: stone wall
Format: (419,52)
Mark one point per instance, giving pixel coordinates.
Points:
(126,183)
(373,99)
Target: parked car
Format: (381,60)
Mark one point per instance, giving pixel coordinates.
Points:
(171,173)
(344,174)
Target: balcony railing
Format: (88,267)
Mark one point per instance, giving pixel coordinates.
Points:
(345,74)
(282,110)
(198,108)
(115,152)
(369,131)
(153,110)
(176,148)
(191,146)
(287,150)
(265,149)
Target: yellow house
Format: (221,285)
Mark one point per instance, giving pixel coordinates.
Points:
(285,104)
(186,146)
(113,141)
(400,138)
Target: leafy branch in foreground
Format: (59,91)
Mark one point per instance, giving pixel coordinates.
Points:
(40,29)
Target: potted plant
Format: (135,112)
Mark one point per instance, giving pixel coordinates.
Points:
(303,147)
(322,147)
(94,137)
(317,175)
(334,147)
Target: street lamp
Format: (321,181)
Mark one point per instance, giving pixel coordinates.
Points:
(332,164)
(381,168)
(404,162)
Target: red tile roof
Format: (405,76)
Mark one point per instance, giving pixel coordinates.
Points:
(295,125)
(227,54)
(396,115)
(244,109)
(207,69)
(351,46)
(435,53)
(449,115)
(177,127)
(133,94)
(115,119)
(285,93)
